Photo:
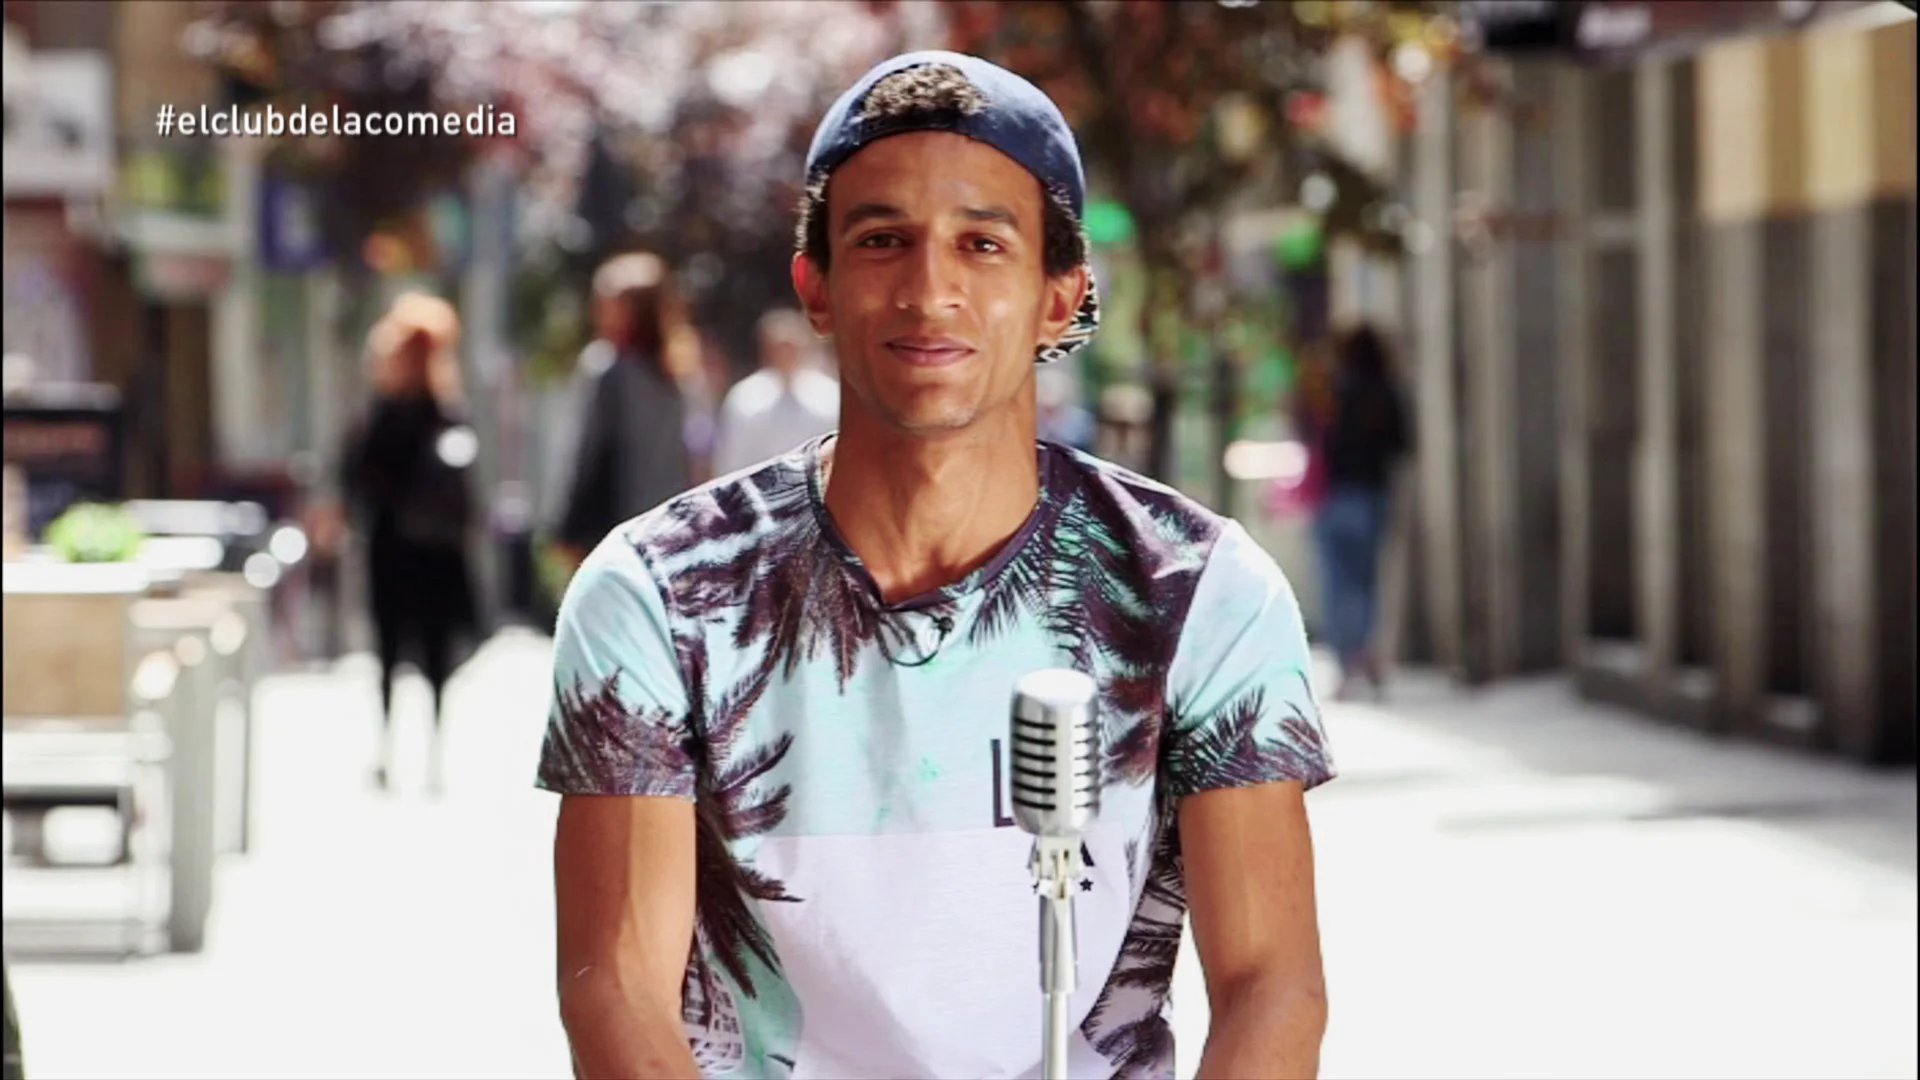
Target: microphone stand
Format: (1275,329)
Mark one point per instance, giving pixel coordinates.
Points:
(1056,866)
(1054,757)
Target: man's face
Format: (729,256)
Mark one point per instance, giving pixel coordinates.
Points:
(938,294)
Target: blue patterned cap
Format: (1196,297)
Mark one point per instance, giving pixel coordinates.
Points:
(1019,120)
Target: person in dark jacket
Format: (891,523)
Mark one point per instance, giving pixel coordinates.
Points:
(632,452)
(1358,423)
(406,479)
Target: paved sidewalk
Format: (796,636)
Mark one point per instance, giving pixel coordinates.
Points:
(1517,883)
(1511,884)
(369,935)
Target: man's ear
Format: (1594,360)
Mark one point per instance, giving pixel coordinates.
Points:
(1063,299)
(810,285)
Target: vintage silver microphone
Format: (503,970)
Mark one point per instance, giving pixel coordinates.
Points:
(1054,751)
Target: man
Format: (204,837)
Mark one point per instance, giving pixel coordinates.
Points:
(631,452)
(782,405)
(780,698)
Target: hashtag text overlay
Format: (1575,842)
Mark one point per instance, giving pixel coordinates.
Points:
(484,121)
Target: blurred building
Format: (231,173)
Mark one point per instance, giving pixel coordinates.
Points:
(1659,308)
(196,275)
(121,246)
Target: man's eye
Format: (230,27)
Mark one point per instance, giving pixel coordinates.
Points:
(875,240)
(987,245)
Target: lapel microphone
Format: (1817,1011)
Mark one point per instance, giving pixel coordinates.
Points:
(942,623)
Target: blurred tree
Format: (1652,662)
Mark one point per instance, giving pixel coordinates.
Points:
(1188,111)
(675,127)
(682,127)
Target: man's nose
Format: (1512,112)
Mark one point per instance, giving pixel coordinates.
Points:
(932,280)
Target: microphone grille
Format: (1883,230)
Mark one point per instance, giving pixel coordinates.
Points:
(1054,753)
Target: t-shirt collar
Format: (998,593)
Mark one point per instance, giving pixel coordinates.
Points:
(953,592)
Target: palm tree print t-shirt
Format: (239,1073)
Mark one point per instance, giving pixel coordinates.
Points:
(864,904)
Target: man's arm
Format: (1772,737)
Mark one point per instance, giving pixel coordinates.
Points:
(617,753)
(624,887)
(1245,746)
(1249,871)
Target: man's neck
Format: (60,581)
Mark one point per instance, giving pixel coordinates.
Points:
(922,513)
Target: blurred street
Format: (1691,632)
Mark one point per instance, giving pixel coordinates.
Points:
(1515,883)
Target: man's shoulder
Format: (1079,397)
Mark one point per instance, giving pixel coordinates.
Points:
(1178,538)
(742,507)
(1119,491)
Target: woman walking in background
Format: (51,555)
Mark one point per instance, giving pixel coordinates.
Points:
(406,479)
(1356,421)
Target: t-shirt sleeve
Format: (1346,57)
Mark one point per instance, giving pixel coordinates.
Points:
(1243,707)
(619,723)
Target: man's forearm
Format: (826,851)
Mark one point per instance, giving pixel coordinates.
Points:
(620,1034)
(1268,1028)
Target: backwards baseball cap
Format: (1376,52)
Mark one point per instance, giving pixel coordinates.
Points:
(1017,118)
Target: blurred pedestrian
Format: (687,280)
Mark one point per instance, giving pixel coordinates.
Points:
(703,391)
(1354,419)
(785,403)
(1061,418)
(405,474)
(632,452)
(324,520)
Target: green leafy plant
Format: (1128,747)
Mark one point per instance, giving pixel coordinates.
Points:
(95,533)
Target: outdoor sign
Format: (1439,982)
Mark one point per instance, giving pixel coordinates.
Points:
(1108,222)
(173,219)
(186,180)
(181,276)
(59,130)
(290,235)
(66,443)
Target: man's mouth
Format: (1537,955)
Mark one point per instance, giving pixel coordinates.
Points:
(930,351)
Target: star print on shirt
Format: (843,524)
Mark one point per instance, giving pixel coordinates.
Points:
(1086,884)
